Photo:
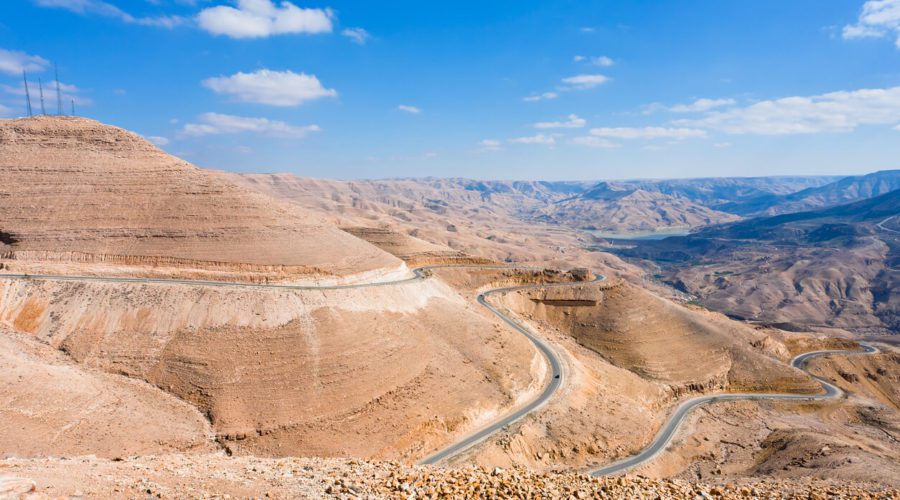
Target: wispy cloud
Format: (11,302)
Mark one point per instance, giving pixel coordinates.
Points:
(356,35)
(572,121)
(602,61)
(101,8)
(217,124)
(409,109)
(541,97)
(275,88)
(544,139)
(832,112)
(701,105)
(877,19)
(594,142)
(263,18)
(13,62)
(490,145)
(647,132)
(583,82)
(158,140)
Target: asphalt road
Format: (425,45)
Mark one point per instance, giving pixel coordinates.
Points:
(664,436)
(419,273)
(881,225)
(556,378)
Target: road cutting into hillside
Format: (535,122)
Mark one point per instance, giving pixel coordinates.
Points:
(665,435)
(420,273)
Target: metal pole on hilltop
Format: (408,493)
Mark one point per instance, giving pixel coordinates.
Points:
(41,90)
(59,109)
(27,93)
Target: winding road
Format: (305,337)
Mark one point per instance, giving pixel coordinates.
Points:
(419,273)
(881,225)
(664,436)
(660,442)
(545,349)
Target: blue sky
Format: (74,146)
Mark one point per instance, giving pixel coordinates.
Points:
(495,90)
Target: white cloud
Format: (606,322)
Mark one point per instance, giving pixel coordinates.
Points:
(583,82)
(262,18)
(722,145)
(158,140)
(647,132)
(100,8)
(541,97)
(594,142)
(356,35)
(587,29)
(701,105)
(216,124)
(490,145)
(14,62)
(897,128)
(547,140)
(602,61)
(409,109)
(275,88)
(877,18)
(832,112)
(6,111)
(572,121)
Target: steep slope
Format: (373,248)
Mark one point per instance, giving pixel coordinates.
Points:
(842,191)
(390,371)
(477,218)
(832,267)
(622,209)
(715,191)
(51,406)
(72,189)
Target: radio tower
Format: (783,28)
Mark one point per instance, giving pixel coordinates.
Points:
(41,90)
(27,94)
(59,109)
(73,107)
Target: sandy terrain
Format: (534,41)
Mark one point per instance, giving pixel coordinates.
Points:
(72,189)
(51,406)
(248,477)
(398,370)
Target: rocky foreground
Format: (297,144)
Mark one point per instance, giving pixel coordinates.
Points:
(217,476)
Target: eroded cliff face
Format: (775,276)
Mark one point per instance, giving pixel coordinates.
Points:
(686,350)
(395,371)
(72,188)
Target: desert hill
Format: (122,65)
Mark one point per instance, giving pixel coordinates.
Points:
(830,267)
(72,189)
(621,208)
(841,191)
(266,371)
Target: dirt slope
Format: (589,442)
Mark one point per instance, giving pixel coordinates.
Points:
(75,189)
(51,406)
(622,209)
(391,371)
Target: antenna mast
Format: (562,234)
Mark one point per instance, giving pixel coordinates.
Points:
(27,94)
(41,90)
(73,107)
(59,109)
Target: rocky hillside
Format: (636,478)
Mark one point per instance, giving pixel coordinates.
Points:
(620,208)
(76,190)
(221,477)
(842,191)
(833,267)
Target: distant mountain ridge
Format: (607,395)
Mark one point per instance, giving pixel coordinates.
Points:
(844,190)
